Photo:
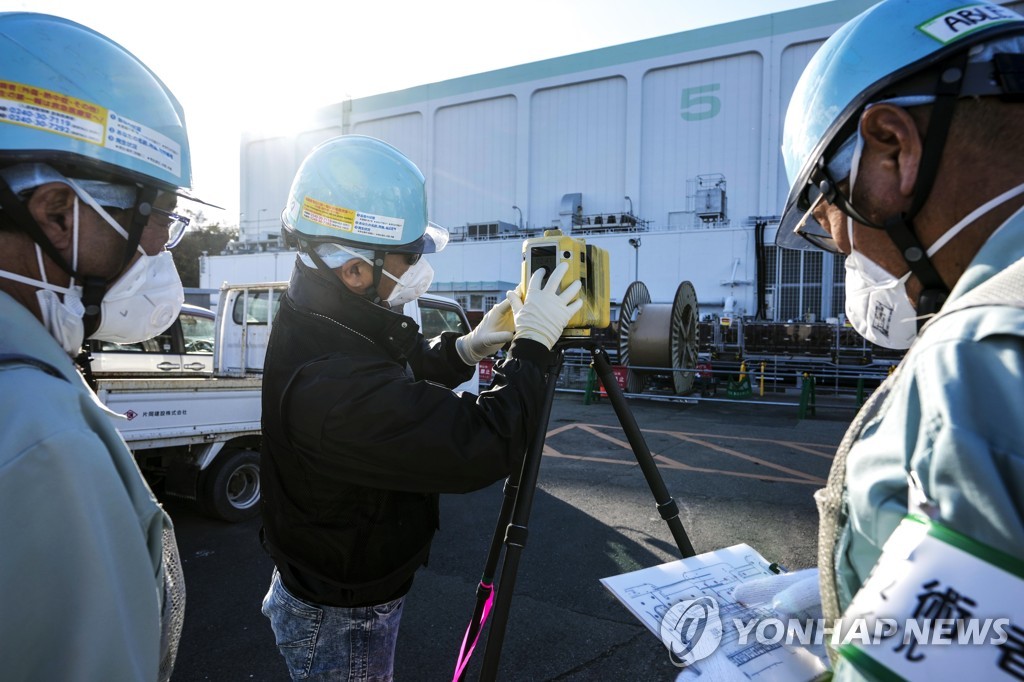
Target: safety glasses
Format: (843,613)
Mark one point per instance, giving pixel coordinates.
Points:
(176,226)
(811,230)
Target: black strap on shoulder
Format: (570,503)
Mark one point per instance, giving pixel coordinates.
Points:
(84,362)
(19,359)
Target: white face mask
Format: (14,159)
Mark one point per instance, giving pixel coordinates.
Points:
(413,283)
(63,319)
(140,304)
(877,304)
(144,300)
(876,301)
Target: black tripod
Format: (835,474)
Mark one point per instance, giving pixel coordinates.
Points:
(518,499)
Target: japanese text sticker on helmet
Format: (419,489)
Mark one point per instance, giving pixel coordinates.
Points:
(880,47)
(362,192)
(69,94)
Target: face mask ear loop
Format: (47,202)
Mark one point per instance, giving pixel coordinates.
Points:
(74,246)
(74,255)
(378,271)
(394,279)
(39,263)
(966,221)
(309,248)
(92,203)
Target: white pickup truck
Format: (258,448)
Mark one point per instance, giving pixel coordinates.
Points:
(198,437)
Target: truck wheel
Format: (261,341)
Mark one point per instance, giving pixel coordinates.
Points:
(231,486)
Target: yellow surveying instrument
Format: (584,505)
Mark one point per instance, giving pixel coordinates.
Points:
(587,263)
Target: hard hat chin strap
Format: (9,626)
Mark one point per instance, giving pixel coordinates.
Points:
(378,272)
(900,227)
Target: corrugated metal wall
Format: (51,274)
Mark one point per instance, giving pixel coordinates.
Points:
(644,130)
(473,178)
(642,123)
(577,145)
(404,131)
(700,119)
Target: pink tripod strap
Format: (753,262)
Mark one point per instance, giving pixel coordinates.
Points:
(466,652)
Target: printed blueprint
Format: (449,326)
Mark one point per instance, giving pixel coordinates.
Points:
(649,593)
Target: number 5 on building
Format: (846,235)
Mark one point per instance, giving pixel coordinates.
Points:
(695,97)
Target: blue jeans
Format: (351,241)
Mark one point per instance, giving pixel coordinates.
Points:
(331,643)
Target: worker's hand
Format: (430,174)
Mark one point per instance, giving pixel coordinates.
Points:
(545,312)
(791,595)
(487,338)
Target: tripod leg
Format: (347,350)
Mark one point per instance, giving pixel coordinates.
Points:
(666,505)
(485,590)
(515,534)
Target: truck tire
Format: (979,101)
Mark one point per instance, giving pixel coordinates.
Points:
(231,486)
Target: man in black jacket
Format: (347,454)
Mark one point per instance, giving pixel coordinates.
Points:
(361,428)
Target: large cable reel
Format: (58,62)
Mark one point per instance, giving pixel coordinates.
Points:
(659,335)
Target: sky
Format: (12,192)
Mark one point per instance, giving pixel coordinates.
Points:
(260,66)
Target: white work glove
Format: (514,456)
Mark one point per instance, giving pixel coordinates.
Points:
(545,312)
(487,338)
(791,595)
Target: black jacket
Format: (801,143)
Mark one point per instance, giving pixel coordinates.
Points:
(361,432)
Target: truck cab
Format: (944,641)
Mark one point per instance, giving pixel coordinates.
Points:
(198,434)
(250,310)
(183,349)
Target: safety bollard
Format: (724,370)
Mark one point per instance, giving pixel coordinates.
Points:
(807,397)
(588,393)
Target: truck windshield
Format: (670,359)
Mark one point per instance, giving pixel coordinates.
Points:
(258,311)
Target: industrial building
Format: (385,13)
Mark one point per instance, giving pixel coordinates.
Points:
(664,152)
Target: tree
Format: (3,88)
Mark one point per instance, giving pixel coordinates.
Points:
(200,238)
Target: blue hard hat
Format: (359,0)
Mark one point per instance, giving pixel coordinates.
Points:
(876,55)
(362,192)
(70,96)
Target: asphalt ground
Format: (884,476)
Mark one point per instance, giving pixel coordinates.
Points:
(740,472)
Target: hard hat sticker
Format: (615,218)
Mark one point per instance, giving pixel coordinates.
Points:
(51,111)
(134,139)
(322,213)
(60,114)
(347,220)
(957,23)
(379,226)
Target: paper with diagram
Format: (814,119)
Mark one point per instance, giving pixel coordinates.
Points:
(743,652)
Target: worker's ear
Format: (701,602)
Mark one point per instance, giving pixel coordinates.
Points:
(52,206)
(356,274)
(891,138)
